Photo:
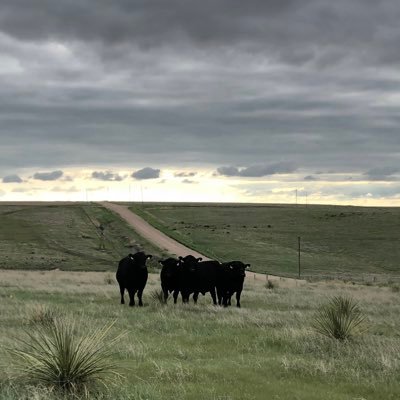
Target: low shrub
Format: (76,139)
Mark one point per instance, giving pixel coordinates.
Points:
(57,357)
(270,285)
(340,319)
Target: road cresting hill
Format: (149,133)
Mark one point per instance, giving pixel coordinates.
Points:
(164,242)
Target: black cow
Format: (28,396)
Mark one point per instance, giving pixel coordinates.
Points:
(170,277)
(132,275)
(198,277)
(230,281)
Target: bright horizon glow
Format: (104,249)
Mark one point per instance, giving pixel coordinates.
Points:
(77,185)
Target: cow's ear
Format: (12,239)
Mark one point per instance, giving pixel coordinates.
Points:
(161,262)
(181,258)
(149,256)
(247,265)
(199,258)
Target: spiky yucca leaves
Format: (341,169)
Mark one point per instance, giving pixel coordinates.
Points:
(341,318)
(57,357)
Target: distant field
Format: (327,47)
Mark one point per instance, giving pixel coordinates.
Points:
(265,350)
(65,236)
(352,242)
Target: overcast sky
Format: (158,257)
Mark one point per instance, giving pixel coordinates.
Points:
(259,97)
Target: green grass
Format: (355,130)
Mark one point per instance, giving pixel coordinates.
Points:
(48,236)
(350,242)
(266,349)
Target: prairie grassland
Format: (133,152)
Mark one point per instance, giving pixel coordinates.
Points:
(65,236)
(353,242)
(264,350)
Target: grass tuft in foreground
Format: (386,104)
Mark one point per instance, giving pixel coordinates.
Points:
(57,357)
(340,319)
(157,295)
(270,285)
(43,315)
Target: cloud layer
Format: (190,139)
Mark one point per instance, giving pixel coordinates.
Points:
(308,85)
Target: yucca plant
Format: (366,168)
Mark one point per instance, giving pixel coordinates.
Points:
(57,357)
(340,318)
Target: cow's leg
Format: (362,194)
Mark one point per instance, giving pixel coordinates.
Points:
(220,296)
(140,294)
(122,291)
(185,296)
(165,291)
(214,296)
(131,297)
(175,295)
(195,297)
(225,298)
(238,293)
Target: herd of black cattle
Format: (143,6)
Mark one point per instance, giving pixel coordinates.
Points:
(186,275)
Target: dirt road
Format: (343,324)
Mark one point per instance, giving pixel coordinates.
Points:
(166,243)
(150,233)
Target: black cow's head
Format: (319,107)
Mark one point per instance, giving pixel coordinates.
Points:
(140,258)
(189,263)
(237,268)
(170,266)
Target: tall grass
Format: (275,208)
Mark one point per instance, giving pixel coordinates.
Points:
(157,296)
(43,315)
(340,318)
(57,357)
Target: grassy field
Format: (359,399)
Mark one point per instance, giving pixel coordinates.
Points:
(48,236)
(265,350)
(351,242)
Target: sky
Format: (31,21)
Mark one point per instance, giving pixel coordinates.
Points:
(213,100)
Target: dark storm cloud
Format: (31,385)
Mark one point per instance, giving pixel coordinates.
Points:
(194,84)
(107,176)
(259,170)
(296,31)
(146,173)
(48,176)
(12,179)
